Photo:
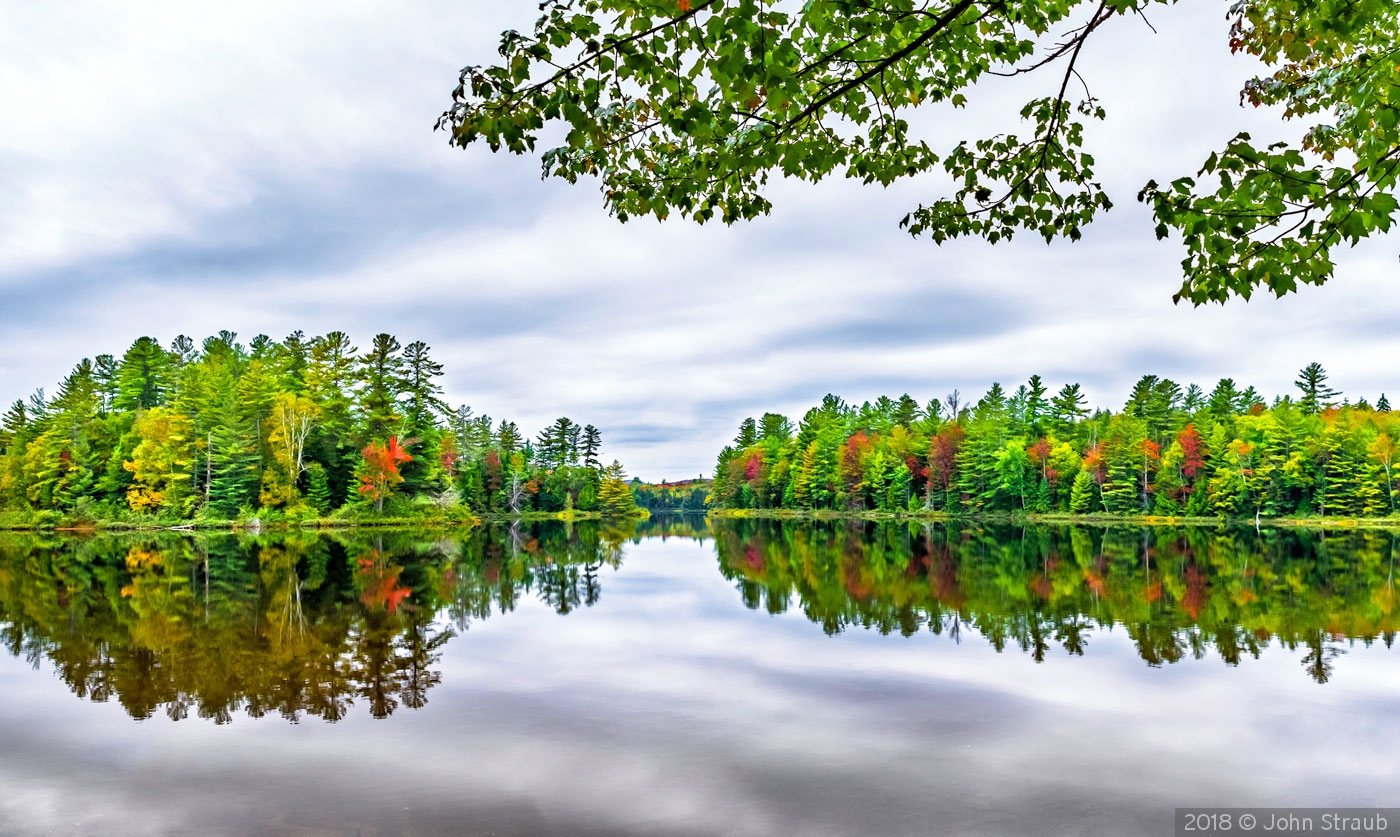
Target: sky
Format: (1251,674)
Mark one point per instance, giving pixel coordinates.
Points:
(181,168)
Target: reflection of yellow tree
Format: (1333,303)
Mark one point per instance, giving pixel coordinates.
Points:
(159,600)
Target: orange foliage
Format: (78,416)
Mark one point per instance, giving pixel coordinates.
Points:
(381,469)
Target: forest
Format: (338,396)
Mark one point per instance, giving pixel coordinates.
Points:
(1170,451)
(307,428)
(685,496)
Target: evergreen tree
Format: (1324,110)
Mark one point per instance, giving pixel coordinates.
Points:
(776,427)
(1068,408)
(1037,408)
(1316,395)
(748,434)
(1082,499)
(294,358)
(107,372)
(382,379)
(144,376)
(421,388)
(906,412)
(615,498)
(1194,400)
(1224,400)
(592,441)
(318,488)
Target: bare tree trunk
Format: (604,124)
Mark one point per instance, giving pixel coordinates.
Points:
(208,468)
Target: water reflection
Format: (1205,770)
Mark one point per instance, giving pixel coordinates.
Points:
(297,624)
(305,624)
(1176,591)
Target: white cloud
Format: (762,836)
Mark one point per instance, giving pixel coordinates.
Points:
(258,167)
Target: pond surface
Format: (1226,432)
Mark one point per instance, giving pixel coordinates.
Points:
(750,678)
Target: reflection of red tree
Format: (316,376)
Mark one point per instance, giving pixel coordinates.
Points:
(943,579)
(1195,597)
(1042,587)
(382,585)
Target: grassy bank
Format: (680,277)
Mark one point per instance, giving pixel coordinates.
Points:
(1062,519)
(274,521)
(49,522)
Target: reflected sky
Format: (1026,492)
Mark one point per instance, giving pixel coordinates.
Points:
(670,707)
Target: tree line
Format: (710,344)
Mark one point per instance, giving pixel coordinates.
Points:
(688,496)
(1169,451)
(305,426)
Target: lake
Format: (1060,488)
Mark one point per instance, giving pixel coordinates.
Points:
(683,677)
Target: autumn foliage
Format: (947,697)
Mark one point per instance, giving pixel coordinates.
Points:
(379,471)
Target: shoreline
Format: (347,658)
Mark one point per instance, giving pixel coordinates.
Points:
(247,527)
(1058,519)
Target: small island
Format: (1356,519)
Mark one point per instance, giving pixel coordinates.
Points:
(306,431)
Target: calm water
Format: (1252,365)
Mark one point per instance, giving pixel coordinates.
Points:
(746,679)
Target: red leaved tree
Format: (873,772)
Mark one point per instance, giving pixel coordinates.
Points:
(379,469)
(1193,452)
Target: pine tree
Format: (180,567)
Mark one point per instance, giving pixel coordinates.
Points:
(420,387)
(382,379)
(230,467)
(1082,495)
(592,441)
(906,412)
(615,498)
(1312,383)
(508,438)
(318,488)
(144,376)
(1224,399)
(107,372)
(1067,408)
(293,358)
(748,434)
(1037,408)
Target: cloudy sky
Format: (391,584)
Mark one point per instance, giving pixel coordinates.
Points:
(263,167)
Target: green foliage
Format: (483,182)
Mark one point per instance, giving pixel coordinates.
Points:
(1171,451)
(690,107)
(614,495)
(224,431)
